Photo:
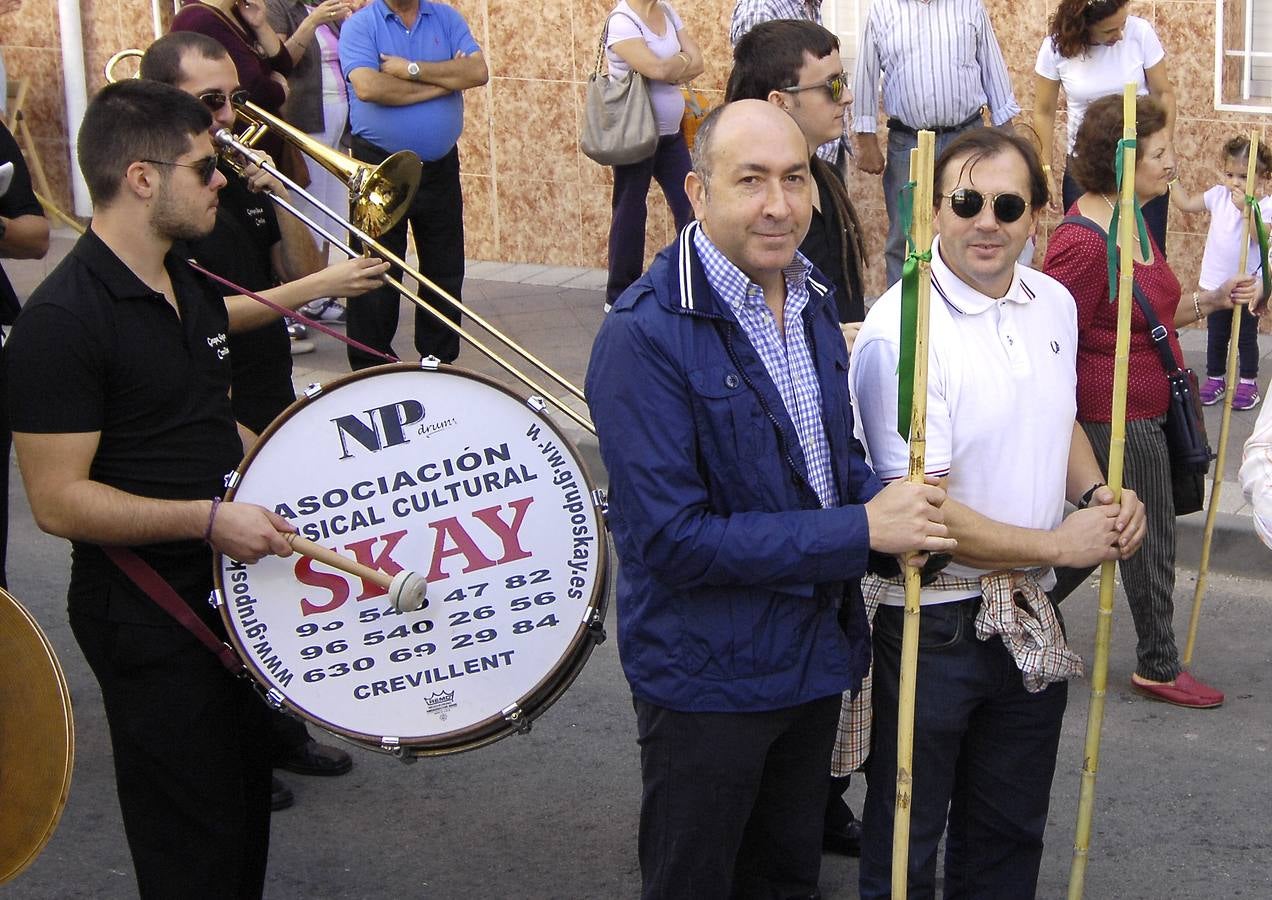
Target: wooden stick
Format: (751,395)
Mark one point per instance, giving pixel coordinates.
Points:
(1216,482)
(1117,451)
(921,162)
(319,553)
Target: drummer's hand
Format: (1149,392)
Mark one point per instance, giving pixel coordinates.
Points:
(247,532)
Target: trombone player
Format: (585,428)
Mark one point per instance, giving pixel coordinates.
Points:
(253,247)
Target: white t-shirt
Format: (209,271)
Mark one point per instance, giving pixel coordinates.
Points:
(1256,473)
(1002,388)
(624,24)
(1223,240)
(1099,71)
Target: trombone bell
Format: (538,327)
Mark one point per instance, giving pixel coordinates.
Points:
(379,196)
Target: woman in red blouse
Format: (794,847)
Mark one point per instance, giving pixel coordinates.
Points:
(1076,257)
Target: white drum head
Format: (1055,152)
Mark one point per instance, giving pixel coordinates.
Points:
(452,476)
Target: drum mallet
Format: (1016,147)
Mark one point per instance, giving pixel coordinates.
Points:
(408,591)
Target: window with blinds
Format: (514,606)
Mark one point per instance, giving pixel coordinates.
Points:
(846,18)
(1243,55)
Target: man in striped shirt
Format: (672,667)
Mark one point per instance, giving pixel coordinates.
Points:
(940,64)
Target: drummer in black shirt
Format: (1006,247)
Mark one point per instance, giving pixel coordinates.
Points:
(257,249)
(119,379)
(795,64)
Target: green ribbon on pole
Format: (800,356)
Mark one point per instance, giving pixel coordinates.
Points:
(1261,231)
(909,311)
(1111,238)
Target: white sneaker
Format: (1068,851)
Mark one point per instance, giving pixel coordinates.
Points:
(329,311)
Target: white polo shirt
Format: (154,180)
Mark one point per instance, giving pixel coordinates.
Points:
(1001,399)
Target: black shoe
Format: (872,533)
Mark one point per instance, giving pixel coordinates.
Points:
(280,795)
(313,758)
(845,840)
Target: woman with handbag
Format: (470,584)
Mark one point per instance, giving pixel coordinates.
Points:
(1076,257)
(648,38)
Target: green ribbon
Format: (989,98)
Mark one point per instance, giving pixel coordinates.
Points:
(909,312)
(1111,238)
(1261,231)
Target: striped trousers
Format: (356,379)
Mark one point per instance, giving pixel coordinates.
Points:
(1148,577)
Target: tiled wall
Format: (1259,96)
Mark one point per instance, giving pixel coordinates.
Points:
(530,196)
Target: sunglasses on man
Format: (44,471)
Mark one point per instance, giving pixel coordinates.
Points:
(206,167)
(214,100)
(834,85)
(966,203)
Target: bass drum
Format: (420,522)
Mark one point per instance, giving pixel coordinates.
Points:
(448,474)
(37,739)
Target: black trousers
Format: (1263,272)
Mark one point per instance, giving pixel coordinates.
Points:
(732,803)
(436,217)
(192,766)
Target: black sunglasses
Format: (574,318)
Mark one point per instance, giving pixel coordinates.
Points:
(206,167)
(966,203)
(214,100)
(834,85)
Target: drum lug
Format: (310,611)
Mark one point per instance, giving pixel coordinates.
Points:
(430,363)
(313,391)
(515,716)
(601,501)
(232,479)
(274,698)
(393,745)
(216,599)
(538,404)
(595,624)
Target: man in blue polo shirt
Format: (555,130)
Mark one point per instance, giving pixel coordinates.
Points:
(408,62)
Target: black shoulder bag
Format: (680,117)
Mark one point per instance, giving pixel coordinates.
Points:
(1185,428)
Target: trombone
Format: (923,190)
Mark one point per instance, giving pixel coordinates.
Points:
(384,193)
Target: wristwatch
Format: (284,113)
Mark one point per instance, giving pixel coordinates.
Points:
(413,69)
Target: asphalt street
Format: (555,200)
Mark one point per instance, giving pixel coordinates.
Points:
(1181,806)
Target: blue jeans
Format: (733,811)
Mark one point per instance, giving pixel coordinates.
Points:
(668,166)
(984,757)
(895,174)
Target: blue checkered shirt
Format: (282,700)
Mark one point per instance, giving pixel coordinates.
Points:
(788,362)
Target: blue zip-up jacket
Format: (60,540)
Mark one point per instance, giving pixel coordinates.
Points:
(733,580)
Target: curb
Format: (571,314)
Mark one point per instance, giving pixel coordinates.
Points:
(1235,548)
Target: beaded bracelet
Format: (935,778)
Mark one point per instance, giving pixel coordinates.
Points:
(1197,305)
(207,535)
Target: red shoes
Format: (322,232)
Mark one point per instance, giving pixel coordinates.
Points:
(1184,691)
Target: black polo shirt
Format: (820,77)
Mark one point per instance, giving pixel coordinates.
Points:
(19,200)
(238,249)
(95,349)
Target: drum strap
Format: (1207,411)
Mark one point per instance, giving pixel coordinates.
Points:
(158,590)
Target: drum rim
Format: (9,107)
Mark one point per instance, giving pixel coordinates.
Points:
(534,701)
(44,832)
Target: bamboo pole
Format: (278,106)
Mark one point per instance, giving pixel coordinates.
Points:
(921,162)
(1117,450)
(1203,570)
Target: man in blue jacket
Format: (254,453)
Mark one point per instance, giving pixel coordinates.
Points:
(743,512)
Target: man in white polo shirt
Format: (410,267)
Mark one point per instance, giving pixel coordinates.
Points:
(991,687)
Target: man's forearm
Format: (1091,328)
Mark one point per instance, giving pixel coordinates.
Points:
(1084,470)
(454,74)
(247,314)
(96,513)
(986,544)
(377,87)
(25,237)
(297,252)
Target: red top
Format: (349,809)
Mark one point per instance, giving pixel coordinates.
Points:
(254,70)
(1076,257)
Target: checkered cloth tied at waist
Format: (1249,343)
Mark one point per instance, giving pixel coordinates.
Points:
(1013,606)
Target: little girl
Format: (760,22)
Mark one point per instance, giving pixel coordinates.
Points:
(1226,204)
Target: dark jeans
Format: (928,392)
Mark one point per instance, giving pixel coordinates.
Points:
(732,802)
(192,768)
(436,217)
(668,166)
(1219,330)
(984,755)
(1154,210)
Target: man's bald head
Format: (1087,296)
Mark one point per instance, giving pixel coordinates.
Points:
(740,121)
